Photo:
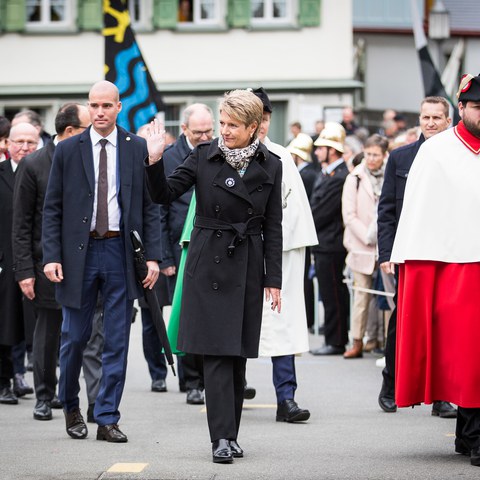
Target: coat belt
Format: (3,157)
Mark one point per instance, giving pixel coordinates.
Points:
(253,226)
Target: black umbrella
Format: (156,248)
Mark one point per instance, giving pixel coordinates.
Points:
(141,271)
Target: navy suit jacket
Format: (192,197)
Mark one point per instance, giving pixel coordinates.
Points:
(68,210)
(391,198)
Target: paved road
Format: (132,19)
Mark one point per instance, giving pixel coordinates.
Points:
(348,436)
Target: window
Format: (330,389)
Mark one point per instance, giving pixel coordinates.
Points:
(266,12)
(200,12)
(140,14)
(49,13)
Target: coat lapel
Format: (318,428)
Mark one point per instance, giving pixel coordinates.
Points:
(86,153)
(229,180)
(124,168)
(7,175)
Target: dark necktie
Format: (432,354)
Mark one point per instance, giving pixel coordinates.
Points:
(101,225)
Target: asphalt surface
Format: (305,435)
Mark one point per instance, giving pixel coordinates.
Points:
(347,436)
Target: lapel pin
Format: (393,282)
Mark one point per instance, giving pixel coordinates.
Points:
(127,139)
(230,182)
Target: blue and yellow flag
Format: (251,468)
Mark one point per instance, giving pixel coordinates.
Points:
(126,68)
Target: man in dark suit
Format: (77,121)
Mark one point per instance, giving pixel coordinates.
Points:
(434,118)
(23,139)
(30,186)
(326,202)
(197,127)
(96,195)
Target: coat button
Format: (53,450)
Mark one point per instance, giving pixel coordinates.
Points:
(260,188)
(219,233)
(84,219)
(217,208)
(90,194)
(250,211)
(215,285)
(81,246)
(216,259)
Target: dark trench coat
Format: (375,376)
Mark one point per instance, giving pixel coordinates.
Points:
(235,249)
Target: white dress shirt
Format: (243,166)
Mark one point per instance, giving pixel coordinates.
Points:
(113,207)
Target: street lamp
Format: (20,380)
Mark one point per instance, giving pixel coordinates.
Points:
(439,28)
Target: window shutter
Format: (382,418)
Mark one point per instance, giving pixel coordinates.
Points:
(239,13)
(90,14)
(165,13)
(309,13)
(15,15)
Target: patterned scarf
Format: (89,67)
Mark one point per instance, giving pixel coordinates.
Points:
(238,158)
(376,179)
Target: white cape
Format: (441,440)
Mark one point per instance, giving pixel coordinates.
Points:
(440,217)
(286,333)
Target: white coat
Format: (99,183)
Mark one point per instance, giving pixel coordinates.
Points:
(286,333)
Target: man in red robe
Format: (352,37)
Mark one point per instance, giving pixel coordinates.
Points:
(437,247)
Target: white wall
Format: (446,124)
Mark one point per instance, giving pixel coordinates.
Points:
(238,54)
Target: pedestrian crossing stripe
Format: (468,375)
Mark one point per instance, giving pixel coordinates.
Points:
(127,467)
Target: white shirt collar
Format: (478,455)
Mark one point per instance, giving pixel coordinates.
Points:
(95,137)
(332,166)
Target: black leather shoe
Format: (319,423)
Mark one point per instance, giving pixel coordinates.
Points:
(237,451)
(7,397)
(195,397)
(20,386)
(329,350)
(75,424)
(387,404)
(42,410)
(159,385)
(249,393)
(475,457)
(55,402)
(221,451)
(90,415)
(462,447)
(289,411)
(444,410)
(111,433)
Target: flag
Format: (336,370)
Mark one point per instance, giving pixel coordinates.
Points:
(432,83)
(126,68)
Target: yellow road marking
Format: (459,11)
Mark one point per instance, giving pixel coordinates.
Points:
(127,467)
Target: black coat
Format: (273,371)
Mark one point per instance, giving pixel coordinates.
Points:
(11,313)
(326,203)
(68,211)
(309,176)
(391,198)
(222,298)
(31,181)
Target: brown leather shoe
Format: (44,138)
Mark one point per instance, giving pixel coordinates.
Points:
(111,433)
(356,351)
(76,426)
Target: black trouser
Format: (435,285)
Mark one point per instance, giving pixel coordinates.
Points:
(224,386)
(334,295)
(308,290)
(46,338)
(6,366)
(388,386)
(468,426)
(192,366)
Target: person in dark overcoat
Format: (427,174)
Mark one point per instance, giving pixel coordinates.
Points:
(23,140)
(96,195)
(235,253)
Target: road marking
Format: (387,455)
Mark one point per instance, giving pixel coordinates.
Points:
(127,467)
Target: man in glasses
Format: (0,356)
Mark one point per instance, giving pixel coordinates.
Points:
(30,187)
(23,139)
(197,127)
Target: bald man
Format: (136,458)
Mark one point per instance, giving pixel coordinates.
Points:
(95,196)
